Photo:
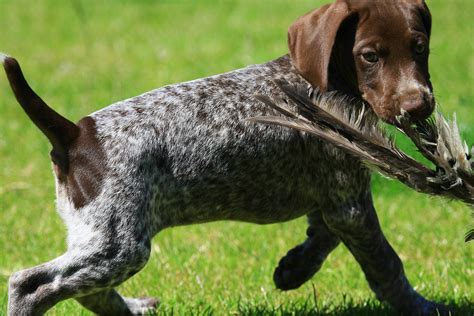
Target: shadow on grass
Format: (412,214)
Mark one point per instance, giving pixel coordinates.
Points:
(368,308)
(371,307)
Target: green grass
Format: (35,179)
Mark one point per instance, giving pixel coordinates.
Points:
(83,55)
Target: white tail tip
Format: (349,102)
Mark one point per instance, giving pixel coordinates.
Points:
(3,57)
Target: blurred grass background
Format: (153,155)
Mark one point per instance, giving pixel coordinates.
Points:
(81,55)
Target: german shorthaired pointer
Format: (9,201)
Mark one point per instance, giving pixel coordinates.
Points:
(185,154)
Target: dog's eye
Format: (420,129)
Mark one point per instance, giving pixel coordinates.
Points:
(371,57)
(420,48)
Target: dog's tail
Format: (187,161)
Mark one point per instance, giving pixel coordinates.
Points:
(60,131)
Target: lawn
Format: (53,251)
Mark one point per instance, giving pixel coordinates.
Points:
(83,55)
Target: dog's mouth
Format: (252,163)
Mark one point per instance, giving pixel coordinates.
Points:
(418,111)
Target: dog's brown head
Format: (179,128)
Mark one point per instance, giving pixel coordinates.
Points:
(375,49)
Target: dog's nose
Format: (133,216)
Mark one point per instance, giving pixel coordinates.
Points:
(419,107)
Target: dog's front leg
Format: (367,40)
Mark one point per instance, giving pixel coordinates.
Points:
(357,225)
(304,260)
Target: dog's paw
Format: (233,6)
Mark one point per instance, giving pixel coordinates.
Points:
(432,308)
(422,307)
(294,269)
(142,305)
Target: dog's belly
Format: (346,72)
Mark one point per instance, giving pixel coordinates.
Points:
(259,189)
(273,176)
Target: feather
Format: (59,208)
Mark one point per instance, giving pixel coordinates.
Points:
(351,126)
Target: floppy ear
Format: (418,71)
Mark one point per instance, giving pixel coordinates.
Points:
(311,38)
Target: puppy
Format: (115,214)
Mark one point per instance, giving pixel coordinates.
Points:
(185,154)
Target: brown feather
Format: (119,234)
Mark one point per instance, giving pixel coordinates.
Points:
(349,125)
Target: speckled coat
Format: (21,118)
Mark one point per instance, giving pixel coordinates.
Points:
(190,150)
(183,154)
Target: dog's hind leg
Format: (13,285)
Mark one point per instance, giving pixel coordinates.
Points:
(110,302)
(303,261)
(83,272)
